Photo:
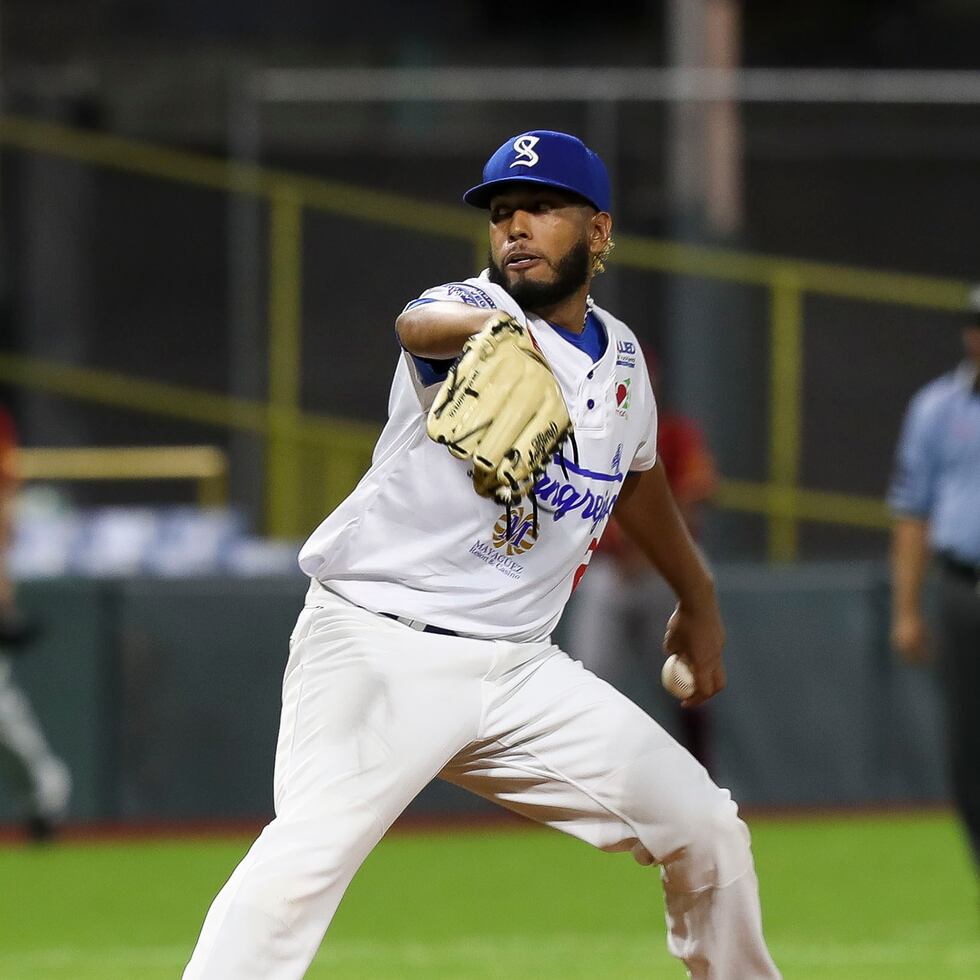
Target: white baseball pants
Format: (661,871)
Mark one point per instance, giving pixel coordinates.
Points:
(39,776)
(373,710)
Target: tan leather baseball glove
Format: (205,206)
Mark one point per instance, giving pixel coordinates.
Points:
(502,409)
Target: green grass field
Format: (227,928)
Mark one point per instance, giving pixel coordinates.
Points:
(864,898)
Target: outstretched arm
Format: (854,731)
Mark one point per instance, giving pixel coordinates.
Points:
(439,329)
(647,513)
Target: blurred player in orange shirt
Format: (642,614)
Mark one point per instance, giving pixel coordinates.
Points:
(619,612)
(39,778)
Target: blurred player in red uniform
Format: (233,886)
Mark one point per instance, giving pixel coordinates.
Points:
(620,610)
(38,776)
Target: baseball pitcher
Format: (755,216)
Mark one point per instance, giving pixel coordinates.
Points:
(520,415)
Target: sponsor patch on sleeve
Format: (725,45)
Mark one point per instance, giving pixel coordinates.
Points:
(454,292)
(469,294)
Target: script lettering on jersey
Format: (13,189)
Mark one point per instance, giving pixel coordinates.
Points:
(565,499)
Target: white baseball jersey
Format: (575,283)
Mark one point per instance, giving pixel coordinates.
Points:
(413,539)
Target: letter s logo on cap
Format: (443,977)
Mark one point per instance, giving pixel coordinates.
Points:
(524,148)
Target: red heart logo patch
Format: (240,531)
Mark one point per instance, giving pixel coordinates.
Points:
(621,392)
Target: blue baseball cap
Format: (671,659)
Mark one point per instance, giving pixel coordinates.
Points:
(552,159)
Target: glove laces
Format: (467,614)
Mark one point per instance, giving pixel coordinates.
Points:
(513,500)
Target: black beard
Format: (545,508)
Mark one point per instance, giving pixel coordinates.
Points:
(571,273)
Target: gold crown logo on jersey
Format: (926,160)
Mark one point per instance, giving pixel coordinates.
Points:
(523,532)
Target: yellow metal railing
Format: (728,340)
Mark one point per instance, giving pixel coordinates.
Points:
(785,401)
(340,448)
(344,447)
(207,466)
(285,333)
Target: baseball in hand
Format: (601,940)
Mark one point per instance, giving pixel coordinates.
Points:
(678,678)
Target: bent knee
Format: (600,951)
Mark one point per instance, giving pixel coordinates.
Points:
(713,847)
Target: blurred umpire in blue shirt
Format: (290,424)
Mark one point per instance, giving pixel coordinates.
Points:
(935,497)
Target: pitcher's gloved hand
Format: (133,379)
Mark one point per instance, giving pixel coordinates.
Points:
(502,409)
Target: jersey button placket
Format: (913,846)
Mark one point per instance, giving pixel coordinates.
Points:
(589,401)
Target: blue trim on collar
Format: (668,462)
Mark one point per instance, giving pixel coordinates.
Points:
(592,340)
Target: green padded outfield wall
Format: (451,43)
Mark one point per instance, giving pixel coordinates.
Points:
(163,695)
(70,679)
(200,665)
